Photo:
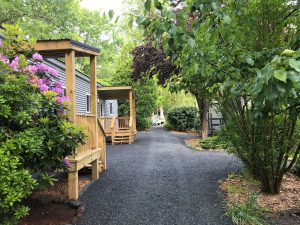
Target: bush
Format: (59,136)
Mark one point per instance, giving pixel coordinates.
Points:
(214,142)
(182,118)
(35,132)
(16,183)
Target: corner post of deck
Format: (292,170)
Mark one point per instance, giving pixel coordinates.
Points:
(93,94)
(70,83)
(71,93)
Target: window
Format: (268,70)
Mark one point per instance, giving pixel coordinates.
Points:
(64,91)
(88,103)
(110,108)
(101,109)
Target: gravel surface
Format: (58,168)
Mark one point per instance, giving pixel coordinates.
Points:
(158,180)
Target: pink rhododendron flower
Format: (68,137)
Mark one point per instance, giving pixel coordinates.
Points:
(31,69)
(57,90)
(52,72)
(40,82)
(42,67)
(4,59)
(43,87)
(67,163)
(62,99)
(58,84)
(37,57)
(14,63)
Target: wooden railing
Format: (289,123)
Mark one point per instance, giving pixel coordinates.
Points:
(106,123)
(89,123)
(111,124)
(102,144)
(122,122)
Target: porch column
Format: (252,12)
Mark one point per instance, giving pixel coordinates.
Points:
(71,93)
(131,103)
(70,83)
(93,94)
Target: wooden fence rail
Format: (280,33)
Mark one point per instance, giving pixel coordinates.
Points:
(89,123)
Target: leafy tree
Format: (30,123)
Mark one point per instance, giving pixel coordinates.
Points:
(145,88)
(148,59)
(226,53)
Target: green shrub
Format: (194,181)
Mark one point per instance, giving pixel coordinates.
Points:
(16,183)
(35,132)
(182,118)
(214,142)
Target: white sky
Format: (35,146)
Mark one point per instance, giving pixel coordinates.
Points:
(115,5)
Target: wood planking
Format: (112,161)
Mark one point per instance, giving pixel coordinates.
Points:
(70,83)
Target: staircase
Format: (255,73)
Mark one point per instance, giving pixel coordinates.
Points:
(121,136)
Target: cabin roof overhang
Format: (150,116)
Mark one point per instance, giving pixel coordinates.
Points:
(58,48)
(119,93)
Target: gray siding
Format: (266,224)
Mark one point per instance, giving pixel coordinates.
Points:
(82,88)
(114,108)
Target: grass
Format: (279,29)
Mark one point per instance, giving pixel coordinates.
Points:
(247,213)
(241,192)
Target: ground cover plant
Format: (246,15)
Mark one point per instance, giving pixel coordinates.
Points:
(35,133)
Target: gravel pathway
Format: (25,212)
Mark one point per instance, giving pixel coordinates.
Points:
(158,180)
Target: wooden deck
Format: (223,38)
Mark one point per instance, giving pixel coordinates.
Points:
(93,151)
(122,130)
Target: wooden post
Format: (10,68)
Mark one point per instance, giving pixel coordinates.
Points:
(131,103)
(95,170)
(131,114)
(70,83)
(93,94)
(103,154)
(70,91)
(73,185)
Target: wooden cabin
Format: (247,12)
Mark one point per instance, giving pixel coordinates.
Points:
(121,130)
(94,151)
(91,106)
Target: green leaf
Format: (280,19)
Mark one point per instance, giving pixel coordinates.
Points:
(280,75)
(111,14)
(293,76)
(288,52)
(148,5)
(226,19)
(130,22)
(146,22)
(157,4)
(250,61)
(295,64)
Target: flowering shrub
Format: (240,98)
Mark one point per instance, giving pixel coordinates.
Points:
(34,128)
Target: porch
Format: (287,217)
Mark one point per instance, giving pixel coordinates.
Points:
(93,152)
(121,130)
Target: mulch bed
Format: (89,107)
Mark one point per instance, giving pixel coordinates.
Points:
(194,143)
(52,207)
(282,209)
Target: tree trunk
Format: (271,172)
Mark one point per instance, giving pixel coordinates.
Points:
(203,106)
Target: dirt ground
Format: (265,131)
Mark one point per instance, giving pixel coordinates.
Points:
(282,209)
(51,206)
